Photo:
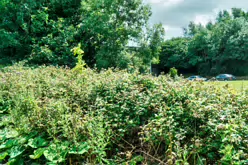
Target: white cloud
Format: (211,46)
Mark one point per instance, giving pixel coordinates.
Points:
(165,3)
(153,1)
(172,2)
(203,19)
(172,31)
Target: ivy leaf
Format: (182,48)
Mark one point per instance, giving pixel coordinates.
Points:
(37,153)
(8,144)
(16,151)
(3,155)
(37,142)
(81,149)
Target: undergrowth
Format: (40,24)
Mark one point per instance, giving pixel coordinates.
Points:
(52,115)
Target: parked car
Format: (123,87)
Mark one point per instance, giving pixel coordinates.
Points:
(197,78)
(225,77)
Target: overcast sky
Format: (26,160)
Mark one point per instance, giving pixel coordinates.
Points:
(175,14)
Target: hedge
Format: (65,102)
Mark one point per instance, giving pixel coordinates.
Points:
(51,115)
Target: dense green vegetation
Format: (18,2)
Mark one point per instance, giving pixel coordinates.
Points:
(219,47)
(55,115)
(44,32)
(58,115)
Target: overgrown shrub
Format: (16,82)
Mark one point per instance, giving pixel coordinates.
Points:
(52,115)
(173,72)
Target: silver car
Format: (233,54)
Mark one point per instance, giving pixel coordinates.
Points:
(197,78)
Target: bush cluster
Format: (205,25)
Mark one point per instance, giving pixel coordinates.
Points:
(52,115)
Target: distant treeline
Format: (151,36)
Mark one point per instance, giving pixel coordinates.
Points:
(219,47)
(45,31)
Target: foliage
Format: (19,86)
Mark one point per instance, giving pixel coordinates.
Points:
(150,44)
(77,51)
(175,53)
(219,47)
(173,72)
(52,115)
(45,31)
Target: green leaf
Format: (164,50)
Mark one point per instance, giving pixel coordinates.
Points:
(37,142)
(16,151)
(12,134)
(25,138)
(37,153)
(16,161)
(8,144)
(3,155)
(81,149)
(56,153)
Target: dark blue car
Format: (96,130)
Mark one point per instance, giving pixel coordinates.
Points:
(225,77)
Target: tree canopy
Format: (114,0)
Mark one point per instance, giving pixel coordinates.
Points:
(45,31)
(219,47)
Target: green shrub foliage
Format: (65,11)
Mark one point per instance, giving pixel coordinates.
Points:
(53,115)
(173,72)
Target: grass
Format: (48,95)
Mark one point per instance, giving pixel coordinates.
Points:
(239,85)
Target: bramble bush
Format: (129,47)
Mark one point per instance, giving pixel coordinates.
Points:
(52,115)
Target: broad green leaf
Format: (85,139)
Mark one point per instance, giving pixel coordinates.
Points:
(37,142)
(56,153)
(24,139)
(12,134)
(81,149)
(3,155)
(16,151)
(2,135)
(37,153)
(8,144)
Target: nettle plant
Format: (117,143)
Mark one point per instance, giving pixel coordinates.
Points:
(51,115)
(77,51)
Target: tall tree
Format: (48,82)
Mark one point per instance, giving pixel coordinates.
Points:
(44,31)
(237,13)
(174,53)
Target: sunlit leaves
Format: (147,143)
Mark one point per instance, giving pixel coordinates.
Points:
(3,155)
(37,153)
(16,151)
(8,144)
(56,153)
